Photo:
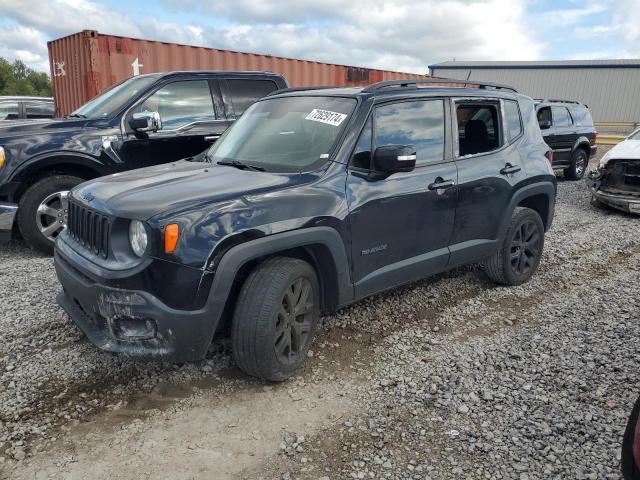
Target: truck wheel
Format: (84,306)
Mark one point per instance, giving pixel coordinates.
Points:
(579,162)
(521,249)
(275,318)
(42,212)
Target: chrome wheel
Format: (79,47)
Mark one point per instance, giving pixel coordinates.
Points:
(51,216)
(525,248)
(294,321)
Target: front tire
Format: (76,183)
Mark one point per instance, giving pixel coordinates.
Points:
(521,249)
(578,167)
(276,315)
(42,212)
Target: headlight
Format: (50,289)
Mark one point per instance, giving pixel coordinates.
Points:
(2,157)
(137,237)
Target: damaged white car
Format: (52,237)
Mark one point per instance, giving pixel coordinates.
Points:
(616,180)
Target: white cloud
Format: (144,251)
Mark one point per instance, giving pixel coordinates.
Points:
(393,35)
(627,20)
(26,44)
(390,34)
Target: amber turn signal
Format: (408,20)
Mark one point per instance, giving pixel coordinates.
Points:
(171,234)
(1,157)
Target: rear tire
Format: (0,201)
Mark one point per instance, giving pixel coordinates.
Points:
(275,318)
(42,210)
(519,255)
(578,167)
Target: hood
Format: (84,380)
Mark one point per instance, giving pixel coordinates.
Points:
(627,149)
(11,128)
(146,192)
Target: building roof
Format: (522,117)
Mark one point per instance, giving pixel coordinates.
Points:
(616,63)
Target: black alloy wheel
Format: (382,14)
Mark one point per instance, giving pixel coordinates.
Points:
(525,247)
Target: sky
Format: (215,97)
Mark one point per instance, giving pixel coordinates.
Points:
(403,35)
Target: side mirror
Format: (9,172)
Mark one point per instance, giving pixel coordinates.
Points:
(145,122)
(394,158)
(544,124)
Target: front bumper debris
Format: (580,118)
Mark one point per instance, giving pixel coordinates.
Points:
(616,198)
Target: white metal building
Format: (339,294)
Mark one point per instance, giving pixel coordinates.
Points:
(611,88)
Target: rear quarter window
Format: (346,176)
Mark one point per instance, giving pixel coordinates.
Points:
(581,116)
(512,117)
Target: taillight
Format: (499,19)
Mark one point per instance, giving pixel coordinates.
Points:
(549,155)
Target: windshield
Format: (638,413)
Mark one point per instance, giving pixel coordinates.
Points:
(635,135)
(105,105)
(288,134)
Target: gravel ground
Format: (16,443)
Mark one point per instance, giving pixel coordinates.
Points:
(452,376)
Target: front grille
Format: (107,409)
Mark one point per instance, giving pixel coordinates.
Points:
(90,229)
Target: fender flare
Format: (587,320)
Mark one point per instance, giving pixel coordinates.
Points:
(237,256)
(582,141)
(547,188)
(52,159)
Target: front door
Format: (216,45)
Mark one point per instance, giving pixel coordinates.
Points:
(189,124)
(401,225)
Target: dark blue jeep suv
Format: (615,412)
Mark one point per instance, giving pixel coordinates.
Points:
(312,200)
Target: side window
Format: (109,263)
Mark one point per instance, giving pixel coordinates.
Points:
(544,115)
(478,128)
(561,117)
(512,116)
(245,92)
(9,111)
(362,153)
(181,103)
(417,123)
(39,110)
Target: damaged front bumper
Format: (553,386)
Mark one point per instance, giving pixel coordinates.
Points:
(133,322)
(599,182)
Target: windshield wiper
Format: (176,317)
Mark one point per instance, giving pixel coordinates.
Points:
(240,165)
(76,115)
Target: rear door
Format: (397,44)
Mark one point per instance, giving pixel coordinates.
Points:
(239,93)
(190,123)
(564,134)
(401,225)
(489,165)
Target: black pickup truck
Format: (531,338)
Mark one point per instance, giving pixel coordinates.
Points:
(143,121)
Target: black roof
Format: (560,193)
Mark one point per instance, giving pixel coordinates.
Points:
(226,73)
(408,86)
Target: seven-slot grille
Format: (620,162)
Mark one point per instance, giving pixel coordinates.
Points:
(90,229)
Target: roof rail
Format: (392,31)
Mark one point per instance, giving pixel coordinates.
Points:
(374,87)
(556,100)
(298,89)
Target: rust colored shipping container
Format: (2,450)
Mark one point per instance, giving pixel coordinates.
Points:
(87,63)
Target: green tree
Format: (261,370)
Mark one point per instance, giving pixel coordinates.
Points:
(18,79)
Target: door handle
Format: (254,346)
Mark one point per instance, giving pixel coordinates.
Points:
(441,183)
(211,138)
(508,169)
